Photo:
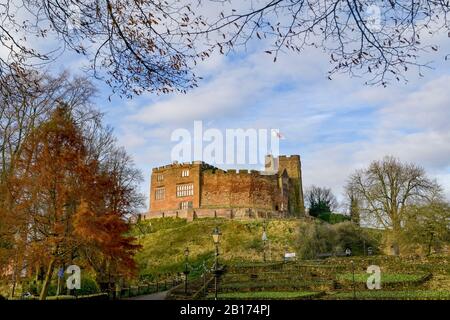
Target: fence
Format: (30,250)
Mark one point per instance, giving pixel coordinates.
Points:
(147,288)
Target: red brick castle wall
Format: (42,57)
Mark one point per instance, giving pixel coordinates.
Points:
(228,193)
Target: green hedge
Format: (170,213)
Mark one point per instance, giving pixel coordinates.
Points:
(267,295)
(97,296)
(333,217)
(88,286)
(394,295)
(385,277)
(284,285)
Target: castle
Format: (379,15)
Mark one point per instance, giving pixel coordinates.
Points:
(197,189)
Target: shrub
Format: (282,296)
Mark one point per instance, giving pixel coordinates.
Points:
(88,286)
(283,295)
(349,235)
(316,238)
(325,238)
(97,296)
(394,295)
(385,278)
(333,217)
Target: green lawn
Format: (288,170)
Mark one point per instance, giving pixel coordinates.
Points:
(271,295)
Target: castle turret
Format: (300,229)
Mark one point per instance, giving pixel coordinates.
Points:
(292,165)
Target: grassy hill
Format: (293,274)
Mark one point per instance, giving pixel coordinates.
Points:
(164,241)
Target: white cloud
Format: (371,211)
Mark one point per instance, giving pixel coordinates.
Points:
(412,126)
(336,126)
(426,108)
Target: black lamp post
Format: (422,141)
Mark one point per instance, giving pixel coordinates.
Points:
(216,238)
(186,270)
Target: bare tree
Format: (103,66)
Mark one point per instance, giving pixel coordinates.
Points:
(128,43)
(379,39)
(353,204)
(27,101)
(386,188)
(148,45)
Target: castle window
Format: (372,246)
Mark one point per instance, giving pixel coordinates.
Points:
(159,177)
(185,190)
(185,205)
(160,193)
(185,173)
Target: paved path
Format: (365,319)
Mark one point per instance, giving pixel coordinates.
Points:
(154,296)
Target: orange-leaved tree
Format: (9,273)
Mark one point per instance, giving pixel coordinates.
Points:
(64,197)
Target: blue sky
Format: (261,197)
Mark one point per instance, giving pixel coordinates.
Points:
(336,126)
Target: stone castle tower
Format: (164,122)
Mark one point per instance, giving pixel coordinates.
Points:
(292,166)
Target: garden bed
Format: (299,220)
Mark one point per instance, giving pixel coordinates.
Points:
(389,280)
(268,295)
(277,285)
(392,295)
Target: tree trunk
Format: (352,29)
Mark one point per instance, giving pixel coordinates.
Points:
(396,231)
(395,248)
(47,280)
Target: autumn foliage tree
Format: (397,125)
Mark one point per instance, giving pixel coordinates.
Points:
(26,102)
(50,176)
(100,220)
(60,169)
(69,205)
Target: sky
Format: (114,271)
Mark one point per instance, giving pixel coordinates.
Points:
(336,126)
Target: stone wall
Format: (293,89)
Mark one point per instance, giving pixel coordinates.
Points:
(231,213)
(231,189)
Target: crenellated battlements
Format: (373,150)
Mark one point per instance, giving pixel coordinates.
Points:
(292,156)
(235,172)
(187,165)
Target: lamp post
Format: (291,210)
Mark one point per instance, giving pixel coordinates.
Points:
(186,270)
(216,238)
(264,239)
